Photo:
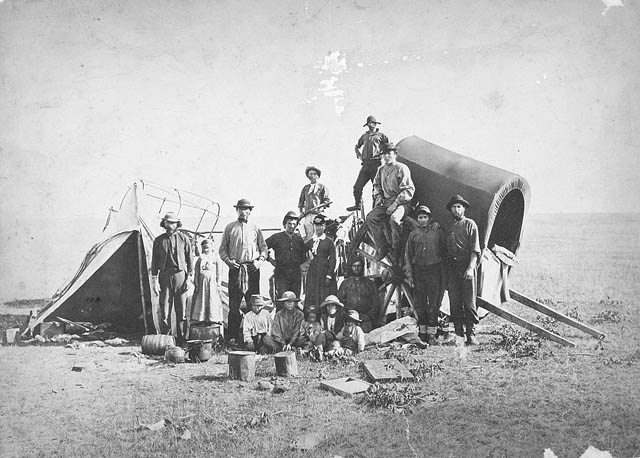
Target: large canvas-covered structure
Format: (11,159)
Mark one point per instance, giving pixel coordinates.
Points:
(113,283)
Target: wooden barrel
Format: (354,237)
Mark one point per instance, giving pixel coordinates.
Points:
(174,355)
(204,331)
(242,365)
(156,344)
(286,363)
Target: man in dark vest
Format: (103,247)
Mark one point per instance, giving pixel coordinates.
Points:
(463,252)
(289,250)
(171,264)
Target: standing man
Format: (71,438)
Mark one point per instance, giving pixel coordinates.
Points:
(360,294)
(393,190)
(289,251)
(368,150)
(244,250)
(423,256)
(171,264)
(314,198)
(463,252)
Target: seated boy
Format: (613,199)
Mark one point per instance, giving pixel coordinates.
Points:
(256,327)
(287,324)
(350,340)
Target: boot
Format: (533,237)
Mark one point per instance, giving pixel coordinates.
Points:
(471,335)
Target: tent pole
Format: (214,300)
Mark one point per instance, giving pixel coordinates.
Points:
(140,279)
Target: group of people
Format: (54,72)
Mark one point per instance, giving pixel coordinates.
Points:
(333,319)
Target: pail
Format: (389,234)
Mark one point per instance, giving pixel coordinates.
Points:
(242,365)
(174,355)
(156,344)
(204,331)
(286,363)
(11,336)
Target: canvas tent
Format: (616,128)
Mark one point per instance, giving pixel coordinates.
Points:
(113,281)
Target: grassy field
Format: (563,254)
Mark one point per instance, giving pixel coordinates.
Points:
(513,396)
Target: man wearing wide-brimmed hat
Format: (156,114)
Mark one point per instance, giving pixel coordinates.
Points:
(171,264)
(393,190)
(463,252)
(290,252)
(424,253)
(368,150)
(244,250)
(361,294)
(314,198)
(287,324)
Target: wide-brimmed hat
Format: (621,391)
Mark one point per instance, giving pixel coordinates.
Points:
(423,209)
(243,203)
(170,217)
(388,147)
(256,299)
(290,215)
(370,118)
(319,219)
(457,199)
(310,168)
(353,315)
(288,296)
(331,299)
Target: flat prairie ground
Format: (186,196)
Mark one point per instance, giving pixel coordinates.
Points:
(512,396)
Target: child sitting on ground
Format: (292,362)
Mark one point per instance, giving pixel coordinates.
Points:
(256,327)
(311,328)
(287,324)
(350,340)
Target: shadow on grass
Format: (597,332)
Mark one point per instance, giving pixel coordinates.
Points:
(211,378)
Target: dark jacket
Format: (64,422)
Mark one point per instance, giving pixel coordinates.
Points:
(338,324)
(161,253)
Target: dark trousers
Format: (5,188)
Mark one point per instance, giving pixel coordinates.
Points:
(367,173)
(377,220)
(288,279)
(462,298)
(428,293)
(173,297)
(235,298)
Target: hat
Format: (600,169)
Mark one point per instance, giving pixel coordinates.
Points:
(353,315)
(319,219)
(457,199)
(371,118)
(256,299)
(311,309)
(171,217)
(423,209)
(331,299)
(288,296)
(387,147)
(243,203)
(356,259)
(288,216)
(206,242)
(310,168)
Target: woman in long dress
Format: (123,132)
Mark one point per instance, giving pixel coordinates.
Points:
(321,277)
(207,305)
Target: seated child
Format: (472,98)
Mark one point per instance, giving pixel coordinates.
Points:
(332,320)
(256,327)
(287,324)
(350,340)
(311,328)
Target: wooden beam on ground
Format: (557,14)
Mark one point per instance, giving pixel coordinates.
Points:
(502,313)
(524,300)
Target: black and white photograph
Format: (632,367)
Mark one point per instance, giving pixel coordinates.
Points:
(321,228)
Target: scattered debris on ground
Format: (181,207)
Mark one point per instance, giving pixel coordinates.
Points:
(396,397)
(607,316)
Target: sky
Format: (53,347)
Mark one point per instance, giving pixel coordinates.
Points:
(233,99)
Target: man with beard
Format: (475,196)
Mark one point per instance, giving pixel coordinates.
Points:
(171,264)
(359,293)
(463,252)
(289,251)
(244,250)
(393,190)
